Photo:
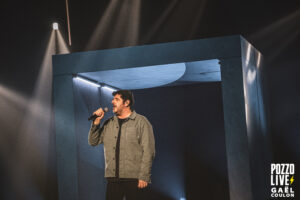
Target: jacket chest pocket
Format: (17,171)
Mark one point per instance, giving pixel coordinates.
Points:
(111,135)
(132,134)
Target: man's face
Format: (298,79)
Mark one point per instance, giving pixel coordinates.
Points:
(118,104)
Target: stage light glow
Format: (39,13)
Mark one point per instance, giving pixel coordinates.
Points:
(275,37)
(109,88)
(170,19)
(33,116)
(124,18)
(182,198)
(62,47)
(13,97)
(126,35)
(159,23)
(55,26)
(32,155)
(251,75)
(87,81)
(258,60)
(248,54)
(103,26)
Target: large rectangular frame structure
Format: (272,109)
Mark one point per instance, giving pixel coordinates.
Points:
(245,121)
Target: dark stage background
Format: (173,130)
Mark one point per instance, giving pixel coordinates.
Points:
(190,140)
(27,142)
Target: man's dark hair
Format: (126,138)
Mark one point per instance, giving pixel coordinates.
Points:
(125,95)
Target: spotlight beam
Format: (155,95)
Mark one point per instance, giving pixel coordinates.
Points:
(286,28)
(102,26)
(160,21)
(61,44)
(121,17)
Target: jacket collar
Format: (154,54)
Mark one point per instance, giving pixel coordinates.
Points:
(131,116)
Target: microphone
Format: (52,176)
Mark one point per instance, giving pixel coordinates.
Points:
(93,117)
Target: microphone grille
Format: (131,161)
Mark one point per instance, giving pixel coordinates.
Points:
(105,109)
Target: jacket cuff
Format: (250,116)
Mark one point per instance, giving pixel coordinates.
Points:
(145,178)
(94,127)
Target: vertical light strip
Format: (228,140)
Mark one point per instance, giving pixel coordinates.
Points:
(258,60)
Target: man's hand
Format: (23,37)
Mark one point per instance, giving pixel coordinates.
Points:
(100,114)
(142,184)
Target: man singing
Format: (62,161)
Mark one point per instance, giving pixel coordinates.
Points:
(129,148)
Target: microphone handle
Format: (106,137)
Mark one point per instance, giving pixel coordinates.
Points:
(92,117)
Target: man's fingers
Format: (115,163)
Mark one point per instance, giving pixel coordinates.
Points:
(99,112)
(142,184)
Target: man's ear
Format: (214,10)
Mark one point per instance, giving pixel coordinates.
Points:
(127,102)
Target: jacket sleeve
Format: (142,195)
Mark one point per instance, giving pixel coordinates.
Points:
(148,146)
(96,134)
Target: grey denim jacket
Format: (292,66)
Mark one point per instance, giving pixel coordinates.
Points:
(137,146)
